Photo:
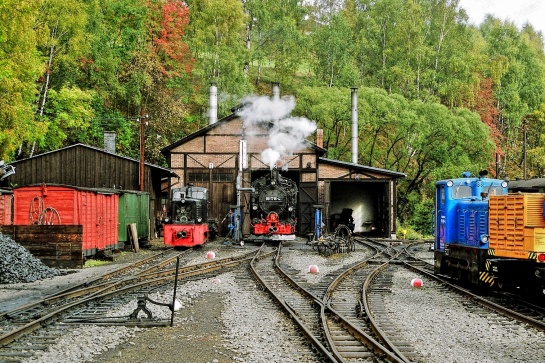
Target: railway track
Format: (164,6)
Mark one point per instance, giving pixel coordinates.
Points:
(28,329)
(344,314)
(509,305)
(333,335)
(497,309)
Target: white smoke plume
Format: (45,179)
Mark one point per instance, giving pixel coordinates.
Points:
(286,134)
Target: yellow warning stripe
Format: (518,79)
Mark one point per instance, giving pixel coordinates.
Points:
(532,255)
(486,278)
(491,252)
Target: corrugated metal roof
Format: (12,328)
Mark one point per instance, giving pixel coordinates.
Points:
(153,166)
(362,168)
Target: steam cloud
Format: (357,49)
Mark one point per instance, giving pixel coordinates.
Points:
(286,134)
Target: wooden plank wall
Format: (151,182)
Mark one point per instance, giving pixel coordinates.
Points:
(57,246)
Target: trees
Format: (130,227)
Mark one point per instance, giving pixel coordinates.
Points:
(20,67)
(518,74)
(425,140)
(215,36)
(71,70)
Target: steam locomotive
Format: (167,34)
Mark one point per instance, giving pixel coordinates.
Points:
(273,203)
(187,224)
(488,237)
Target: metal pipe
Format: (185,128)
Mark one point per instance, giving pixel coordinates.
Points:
(213,112)
(276,91)
(354,125)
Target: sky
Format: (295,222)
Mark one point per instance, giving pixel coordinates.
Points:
(517,11)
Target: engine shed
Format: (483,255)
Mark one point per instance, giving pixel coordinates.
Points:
(227,156)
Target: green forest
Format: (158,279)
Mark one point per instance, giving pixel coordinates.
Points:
(436,95)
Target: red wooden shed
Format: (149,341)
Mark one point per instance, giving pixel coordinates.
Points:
(6,203)
(94,209)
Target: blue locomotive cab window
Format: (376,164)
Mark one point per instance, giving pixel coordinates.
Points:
(461,191)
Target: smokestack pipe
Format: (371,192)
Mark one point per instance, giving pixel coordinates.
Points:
(320,138)
(213,112)
(276,91)
(354,125)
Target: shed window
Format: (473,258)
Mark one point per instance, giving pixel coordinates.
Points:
(205,177)
(199,177)
(222,177)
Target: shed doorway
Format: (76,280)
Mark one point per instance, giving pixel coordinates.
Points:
(365,201)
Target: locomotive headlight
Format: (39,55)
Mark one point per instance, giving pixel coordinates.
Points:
(254,207)
(450,183)
(484,239)
(167,219)
(290,208)
(199,219)
(504,184)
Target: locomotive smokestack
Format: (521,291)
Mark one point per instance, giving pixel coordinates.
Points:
(354,125)
(276,91)
(213,112)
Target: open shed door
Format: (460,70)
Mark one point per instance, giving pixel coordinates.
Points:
(308,197)
(366,201)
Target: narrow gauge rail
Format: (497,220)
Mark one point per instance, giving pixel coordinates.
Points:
(504,304)
(325,329)
(379,285)
(16,339)
(373,294)
(40,307)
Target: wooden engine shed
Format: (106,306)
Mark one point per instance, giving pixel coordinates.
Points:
(212,158)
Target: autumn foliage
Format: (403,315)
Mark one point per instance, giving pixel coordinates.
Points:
(169,41)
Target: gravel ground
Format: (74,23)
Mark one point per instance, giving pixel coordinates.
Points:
(445,330)
(223,320)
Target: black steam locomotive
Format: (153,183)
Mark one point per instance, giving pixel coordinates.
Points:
(273,206)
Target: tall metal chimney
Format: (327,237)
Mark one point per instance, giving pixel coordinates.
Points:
(276,91)
(213,112)
(354,125)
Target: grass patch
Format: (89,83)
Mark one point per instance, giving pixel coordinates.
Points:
(95,263)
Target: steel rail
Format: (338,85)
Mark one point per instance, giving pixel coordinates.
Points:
(310,336)
(137,282)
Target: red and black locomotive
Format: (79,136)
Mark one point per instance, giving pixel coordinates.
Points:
(187,224)
(273,206)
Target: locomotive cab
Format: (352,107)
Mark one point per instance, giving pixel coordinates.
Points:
(188,205)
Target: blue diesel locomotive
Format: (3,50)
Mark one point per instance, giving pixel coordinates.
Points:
(461,226)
